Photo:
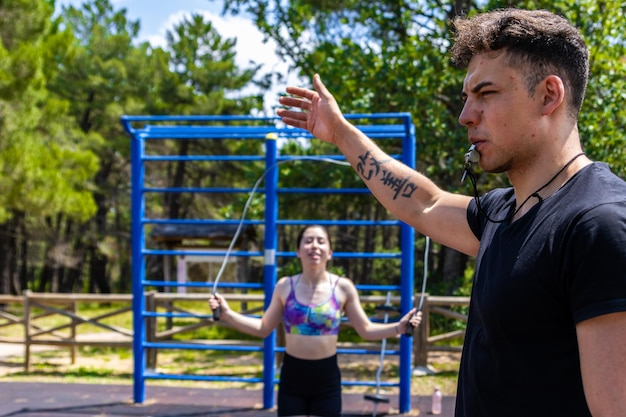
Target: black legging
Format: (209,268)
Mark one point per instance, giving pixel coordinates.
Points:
(309,387)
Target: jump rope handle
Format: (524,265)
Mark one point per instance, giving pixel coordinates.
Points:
(410,327)
(217,312)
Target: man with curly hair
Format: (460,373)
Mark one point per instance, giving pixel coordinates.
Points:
(546,334)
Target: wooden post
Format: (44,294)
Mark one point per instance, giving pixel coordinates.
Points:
(420,338)
(27,330)
(74,310)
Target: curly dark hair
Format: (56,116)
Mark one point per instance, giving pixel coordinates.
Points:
(538,42)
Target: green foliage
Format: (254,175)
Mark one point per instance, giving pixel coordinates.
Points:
(204,72)
(66,79)
(64,83)
(44,168)
(392,56)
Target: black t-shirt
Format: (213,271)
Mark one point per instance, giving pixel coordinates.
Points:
(563,262)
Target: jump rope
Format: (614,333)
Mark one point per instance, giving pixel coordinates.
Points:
(409,328)
(218,310)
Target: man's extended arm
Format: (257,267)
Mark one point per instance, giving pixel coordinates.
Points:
(409,195)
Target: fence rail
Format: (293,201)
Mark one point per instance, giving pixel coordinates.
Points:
(37,310)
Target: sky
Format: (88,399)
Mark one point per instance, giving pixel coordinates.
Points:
(156,17)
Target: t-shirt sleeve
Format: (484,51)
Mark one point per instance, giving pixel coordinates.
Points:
(596,262)
(495,204)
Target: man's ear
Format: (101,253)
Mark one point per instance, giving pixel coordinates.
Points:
(553,93)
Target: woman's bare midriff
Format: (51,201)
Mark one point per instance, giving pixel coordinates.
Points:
(310,347)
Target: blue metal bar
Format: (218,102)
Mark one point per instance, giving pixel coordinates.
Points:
(270,268)
(362,287)
(340,222)
(138,267)
(202,378)
(279,221)
(224,190)
(178,158)
(368,384)
(230,118)
(324,190)
(199,221)
(379,255)
(200,284)
(260,130)
(252,348)
(199,346)
(353,351)
(178,315)
(227,190)
(407,269)
(199,253)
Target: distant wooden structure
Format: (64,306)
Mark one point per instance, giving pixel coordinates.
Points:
(204,238)
(74,327)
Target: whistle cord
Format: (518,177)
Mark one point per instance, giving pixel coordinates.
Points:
(534,194)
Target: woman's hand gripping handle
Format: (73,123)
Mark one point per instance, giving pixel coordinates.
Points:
(215,302)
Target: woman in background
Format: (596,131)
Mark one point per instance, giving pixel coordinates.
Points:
(310,305)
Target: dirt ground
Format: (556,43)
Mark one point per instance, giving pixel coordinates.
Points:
(51,364)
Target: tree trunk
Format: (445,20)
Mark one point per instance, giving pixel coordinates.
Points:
(8,253)
(99,280)
(454,264)
(98,271)
(73,269)
(24,267)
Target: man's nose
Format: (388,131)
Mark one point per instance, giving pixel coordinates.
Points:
(469,116)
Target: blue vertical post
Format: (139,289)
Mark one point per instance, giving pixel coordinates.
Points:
(138,265)
(269,267)
(407,271)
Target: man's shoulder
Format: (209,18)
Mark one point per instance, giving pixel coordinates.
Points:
(598,185)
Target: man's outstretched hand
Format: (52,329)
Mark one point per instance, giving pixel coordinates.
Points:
(319,112)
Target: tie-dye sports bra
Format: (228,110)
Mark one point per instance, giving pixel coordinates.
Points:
(312,319)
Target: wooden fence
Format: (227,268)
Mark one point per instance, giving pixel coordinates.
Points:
(78,329)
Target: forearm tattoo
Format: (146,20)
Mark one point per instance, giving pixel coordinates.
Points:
(369,168)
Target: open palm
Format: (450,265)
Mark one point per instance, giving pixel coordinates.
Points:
(319,112)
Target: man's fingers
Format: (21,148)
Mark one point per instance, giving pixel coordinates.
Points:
(294,122)
(293,118)
(319,86)
(290,101)
(303,93)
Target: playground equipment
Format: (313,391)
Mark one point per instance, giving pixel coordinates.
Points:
(147,131)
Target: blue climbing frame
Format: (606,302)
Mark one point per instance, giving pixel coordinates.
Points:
(144,129)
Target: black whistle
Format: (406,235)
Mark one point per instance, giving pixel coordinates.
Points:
(471,157)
